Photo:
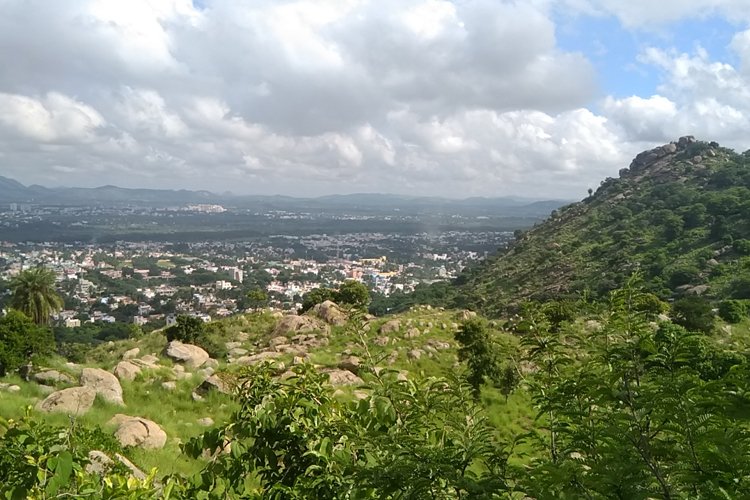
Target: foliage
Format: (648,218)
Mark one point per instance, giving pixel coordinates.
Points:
(187,329)
(353,293)
(630,413)
(34,294)
(479,352)
(733,311)
(22,341)
(694,313)
(316,296)
(406,440)
(38,460)
(679,224)
(257,298)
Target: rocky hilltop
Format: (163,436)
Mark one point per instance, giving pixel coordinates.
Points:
(680,214)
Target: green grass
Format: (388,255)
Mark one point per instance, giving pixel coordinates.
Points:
(178,414)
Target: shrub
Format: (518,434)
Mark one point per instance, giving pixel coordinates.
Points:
(742,247)
(733,311)
(187,329)
(22,341)
(694,313)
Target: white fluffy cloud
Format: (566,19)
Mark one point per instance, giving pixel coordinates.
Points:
(650,14)
(316,96)
(705,98)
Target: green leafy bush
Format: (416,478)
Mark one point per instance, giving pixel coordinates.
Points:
(22,341)
(694,313)
(733,311)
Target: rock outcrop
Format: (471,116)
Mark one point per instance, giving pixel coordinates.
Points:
(125,370)
(293,325)
(137,431)
(220,382)
(342,377)
(330,313)
(73,401)
(104,384)
(51,377)
(392,326)
(191,355)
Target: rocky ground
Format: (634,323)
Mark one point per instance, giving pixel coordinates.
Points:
(151,395)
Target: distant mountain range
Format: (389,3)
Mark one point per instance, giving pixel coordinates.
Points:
(12,191)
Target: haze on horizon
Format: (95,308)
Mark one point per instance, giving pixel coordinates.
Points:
(537,98)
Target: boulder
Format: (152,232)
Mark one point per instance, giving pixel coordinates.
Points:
(257,358)
(381,341)
(169,385)
(236,352)
(134,471)
(211,363)
(51,377)
(342,377)
(99,463)
(149,360)
(415,354)
(13,388)
(412,333)
(391,326)
(104,384)
(466,315)
(281,340)
(206,422)
(330,313)
(292,325)
(137,431)
(73,401)
(191,355)
(351,363)
(220,382)
(125,370)
(132,353)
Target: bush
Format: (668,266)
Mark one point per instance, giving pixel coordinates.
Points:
(733,311)
(22,341)
(187,329)
(742,247)
(694,313)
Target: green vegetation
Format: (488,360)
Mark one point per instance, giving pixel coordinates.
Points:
(22,341)
(682,219)
(609,400)
(605,373)
(33,293)
(350,293)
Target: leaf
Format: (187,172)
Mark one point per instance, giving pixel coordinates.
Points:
(63,470)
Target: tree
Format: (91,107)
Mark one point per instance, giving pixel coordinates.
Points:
(733,311)
(34,294)
(694,313)
(479,352)
(257,298)
(316,296)
(187,329)
(353,293)
(21,341)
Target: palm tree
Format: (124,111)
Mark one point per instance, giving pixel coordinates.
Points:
(34,294)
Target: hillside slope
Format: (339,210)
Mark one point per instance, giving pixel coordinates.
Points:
(680,214)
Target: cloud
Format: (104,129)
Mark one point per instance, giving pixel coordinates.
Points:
(310,97)
(701,97)
(52,118)
(650,14)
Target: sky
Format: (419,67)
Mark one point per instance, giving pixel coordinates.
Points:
(533,98)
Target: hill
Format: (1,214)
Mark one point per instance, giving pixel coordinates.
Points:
(680,214)
(12,191)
